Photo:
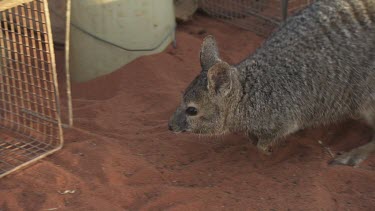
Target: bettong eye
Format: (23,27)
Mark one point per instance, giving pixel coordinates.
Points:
(191,111)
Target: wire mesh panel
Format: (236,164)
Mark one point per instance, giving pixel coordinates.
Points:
(30,126)
(260,16)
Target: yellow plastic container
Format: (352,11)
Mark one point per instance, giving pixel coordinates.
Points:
(107,34)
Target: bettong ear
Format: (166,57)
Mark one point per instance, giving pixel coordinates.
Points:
(209,54)
(219,81)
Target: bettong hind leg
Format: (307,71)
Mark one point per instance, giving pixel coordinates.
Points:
(359,154)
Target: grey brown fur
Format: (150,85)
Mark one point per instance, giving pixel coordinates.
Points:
(318,68)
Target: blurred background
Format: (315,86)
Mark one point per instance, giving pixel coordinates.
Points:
(107,34)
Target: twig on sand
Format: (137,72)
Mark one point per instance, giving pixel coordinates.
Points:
(50,209)
(66,192)
(326,148)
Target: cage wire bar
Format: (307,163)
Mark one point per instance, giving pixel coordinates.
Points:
(259,16)
(30,125)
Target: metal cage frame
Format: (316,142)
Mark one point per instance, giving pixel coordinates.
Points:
(259,16)
(30,125)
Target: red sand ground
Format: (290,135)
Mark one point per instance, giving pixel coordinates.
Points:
(124,158)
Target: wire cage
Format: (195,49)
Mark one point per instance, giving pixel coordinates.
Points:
(30,126)
(259,16)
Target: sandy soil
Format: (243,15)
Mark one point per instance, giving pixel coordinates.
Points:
(122,157)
